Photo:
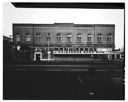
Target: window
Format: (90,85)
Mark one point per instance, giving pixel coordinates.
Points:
(77,49)
(89,38)
(56,49)
(58,38)
(61,49)
(109,38)
(48,37)
(18,38)
(99,38)
(69,38)
(28,37)
(38,36)
(79,38)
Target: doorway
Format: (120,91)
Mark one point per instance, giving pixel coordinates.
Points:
(38,57)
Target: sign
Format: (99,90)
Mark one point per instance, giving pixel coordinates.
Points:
(104,49)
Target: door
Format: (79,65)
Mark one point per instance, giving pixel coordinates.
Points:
(38,57)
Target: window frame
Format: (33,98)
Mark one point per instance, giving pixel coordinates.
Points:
(28,36)
(58,37)
(99,38)
(109,38)
(69,36)
(79,36)
(18,36)
(38,36)
(89,38)
(48,36)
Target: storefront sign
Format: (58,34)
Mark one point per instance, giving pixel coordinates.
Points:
(104,49)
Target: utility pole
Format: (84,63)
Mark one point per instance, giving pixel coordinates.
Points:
(48,51)
(33,41)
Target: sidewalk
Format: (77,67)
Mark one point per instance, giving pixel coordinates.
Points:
(66,62)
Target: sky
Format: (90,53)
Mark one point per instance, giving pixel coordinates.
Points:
(52,15)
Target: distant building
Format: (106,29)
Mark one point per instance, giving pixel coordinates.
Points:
(47,41)
(7,47)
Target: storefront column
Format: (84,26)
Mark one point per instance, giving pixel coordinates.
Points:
(89,50)
(108,56)
(34,56)
(63,50)
(92,50)
(120,55)
(58,49)
(115,56)
(68,50)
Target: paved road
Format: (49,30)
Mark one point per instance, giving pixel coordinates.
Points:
(69,82)
(66,67)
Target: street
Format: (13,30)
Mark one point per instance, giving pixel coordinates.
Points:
(95,82)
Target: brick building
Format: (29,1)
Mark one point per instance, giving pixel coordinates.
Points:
(49,41)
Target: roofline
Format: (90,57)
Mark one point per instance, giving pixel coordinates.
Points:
(73,24)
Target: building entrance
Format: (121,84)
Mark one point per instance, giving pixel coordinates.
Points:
(38,57)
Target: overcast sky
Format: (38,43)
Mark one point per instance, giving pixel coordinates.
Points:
(77,16)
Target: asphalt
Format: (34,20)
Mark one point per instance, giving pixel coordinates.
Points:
(63,82)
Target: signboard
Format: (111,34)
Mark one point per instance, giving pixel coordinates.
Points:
(104,49)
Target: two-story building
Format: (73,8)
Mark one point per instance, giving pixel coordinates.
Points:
(48,41)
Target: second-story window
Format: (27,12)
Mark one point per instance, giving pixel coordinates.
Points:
(18,38)
(79,38)
(58,38)
(69,38)
(109,38)
(38,36)
(99,38)
(48,37)
(28,37)
(89,38)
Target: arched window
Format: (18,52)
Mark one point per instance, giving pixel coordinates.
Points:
(48,37)
(18,37)
(79,37)
(99,38)
(58,38)
(89,38)
(38,36)
(69,38)
(28,37)
(109,38)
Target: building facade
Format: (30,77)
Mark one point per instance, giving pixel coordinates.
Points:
(49,41)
